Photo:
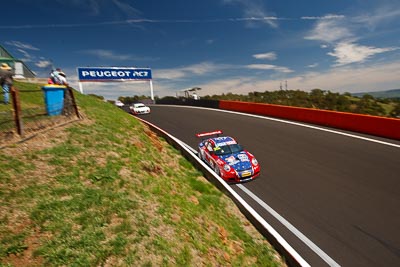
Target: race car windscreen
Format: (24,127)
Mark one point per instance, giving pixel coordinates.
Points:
(229,149)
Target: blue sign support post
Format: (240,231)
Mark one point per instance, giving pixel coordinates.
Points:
(114,74)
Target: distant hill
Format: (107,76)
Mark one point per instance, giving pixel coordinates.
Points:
(394,93)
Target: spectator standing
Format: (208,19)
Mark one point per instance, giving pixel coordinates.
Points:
(6,80)
(58,77)
(63,78)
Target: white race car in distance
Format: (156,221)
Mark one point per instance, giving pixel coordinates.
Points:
(119,103)
(139,108)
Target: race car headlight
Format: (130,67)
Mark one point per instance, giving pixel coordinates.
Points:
(227,168)
(254,161)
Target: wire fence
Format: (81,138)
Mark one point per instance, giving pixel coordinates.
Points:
(31,111)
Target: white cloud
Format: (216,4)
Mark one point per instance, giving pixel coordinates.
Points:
(169,74)
(329,16)
(187,71)
(43,63)
(378,77)
(384,14)
(373,78)
(268,56)
(269,67)
(22,46)
(329,31)
(313,65)
(347,53)
(203,68)
(343,33)
(253,11)
(27,57)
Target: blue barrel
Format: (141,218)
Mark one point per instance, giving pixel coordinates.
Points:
(54,98)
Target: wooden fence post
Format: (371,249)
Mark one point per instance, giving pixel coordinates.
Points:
(17,110)
(71,93)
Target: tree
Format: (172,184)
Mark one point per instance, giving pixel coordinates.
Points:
(369,105)
(317,98)
(395,113)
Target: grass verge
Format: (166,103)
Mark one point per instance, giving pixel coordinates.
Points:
(106,191)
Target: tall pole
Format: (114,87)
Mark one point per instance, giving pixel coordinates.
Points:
(151,90)
(80,87)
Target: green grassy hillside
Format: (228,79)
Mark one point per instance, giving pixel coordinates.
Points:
(106,191)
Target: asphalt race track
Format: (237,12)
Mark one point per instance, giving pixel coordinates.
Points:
(342,193)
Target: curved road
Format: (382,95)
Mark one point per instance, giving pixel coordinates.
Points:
(342,193)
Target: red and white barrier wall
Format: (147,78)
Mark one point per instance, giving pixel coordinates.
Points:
(374,125)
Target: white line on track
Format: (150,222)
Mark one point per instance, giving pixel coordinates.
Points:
(283,221)
(266,225)
(290,227)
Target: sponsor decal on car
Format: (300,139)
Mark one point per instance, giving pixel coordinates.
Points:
(246,174)
(224,141)
(231,160)
(220,162)
(243,157)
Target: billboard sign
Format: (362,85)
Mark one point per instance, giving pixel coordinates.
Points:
(110,74)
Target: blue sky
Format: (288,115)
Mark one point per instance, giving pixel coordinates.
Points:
(222,46)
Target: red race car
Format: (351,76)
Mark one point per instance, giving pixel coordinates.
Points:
(228,159)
